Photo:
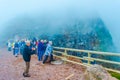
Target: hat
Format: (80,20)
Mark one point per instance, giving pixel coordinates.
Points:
(27,41)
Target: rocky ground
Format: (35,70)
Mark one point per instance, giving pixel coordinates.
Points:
(11,68)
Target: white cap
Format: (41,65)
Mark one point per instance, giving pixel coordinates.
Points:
(50,42)
(42,40)
(27,41)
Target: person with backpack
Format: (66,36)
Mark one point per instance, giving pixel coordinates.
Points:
(22,44)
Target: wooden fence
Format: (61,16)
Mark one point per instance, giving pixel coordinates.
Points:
(88,58)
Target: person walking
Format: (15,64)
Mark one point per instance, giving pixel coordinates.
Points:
(27,52)
(48,52)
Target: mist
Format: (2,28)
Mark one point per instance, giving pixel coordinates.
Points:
(58,12)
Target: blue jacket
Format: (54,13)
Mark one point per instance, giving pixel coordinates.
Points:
(27,52)
(40,46)
(16,45)
(49,50)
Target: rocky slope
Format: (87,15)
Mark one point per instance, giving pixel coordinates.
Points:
(90,34)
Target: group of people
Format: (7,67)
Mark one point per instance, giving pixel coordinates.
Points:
(16,46)
(26,48)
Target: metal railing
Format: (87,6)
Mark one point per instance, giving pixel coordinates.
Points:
(88,58)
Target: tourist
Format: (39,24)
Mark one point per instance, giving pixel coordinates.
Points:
(27,52)
(9,46)
(13,48)
(45,45)
(40,50)
(48,52)
(22,44)
(37,47)
(16,48)
(33,45)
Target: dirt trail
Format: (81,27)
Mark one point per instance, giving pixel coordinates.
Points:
(11,68)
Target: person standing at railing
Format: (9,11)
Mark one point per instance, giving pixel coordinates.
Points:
(48,52)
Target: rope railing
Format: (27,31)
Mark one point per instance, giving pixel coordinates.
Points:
(88,58)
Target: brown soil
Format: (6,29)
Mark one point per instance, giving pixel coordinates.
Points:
(11,68)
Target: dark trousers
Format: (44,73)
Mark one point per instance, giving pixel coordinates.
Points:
(27,67)
(13,51)
(46,58)
(9,48)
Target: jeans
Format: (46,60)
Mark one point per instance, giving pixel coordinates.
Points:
(16,51)
(40,55)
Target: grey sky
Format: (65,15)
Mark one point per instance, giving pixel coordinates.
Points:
(107,9)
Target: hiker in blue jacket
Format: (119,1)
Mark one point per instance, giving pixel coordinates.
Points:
(40,50)
(16,48)
(22,44)
(48,52)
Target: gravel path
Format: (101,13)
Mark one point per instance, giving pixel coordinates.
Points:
(11,68)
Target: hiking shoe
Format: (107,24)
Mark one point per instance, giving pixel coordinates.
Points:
(42,64)
(26,75)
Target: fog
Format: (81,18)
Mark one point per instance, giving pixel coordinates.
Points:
(61,11)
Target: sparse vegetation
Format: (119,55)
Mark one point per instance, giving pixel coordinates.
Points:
(114,74)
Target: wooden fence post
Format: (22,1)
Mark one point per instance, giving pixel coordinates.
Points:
(89,58)
(65,56)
